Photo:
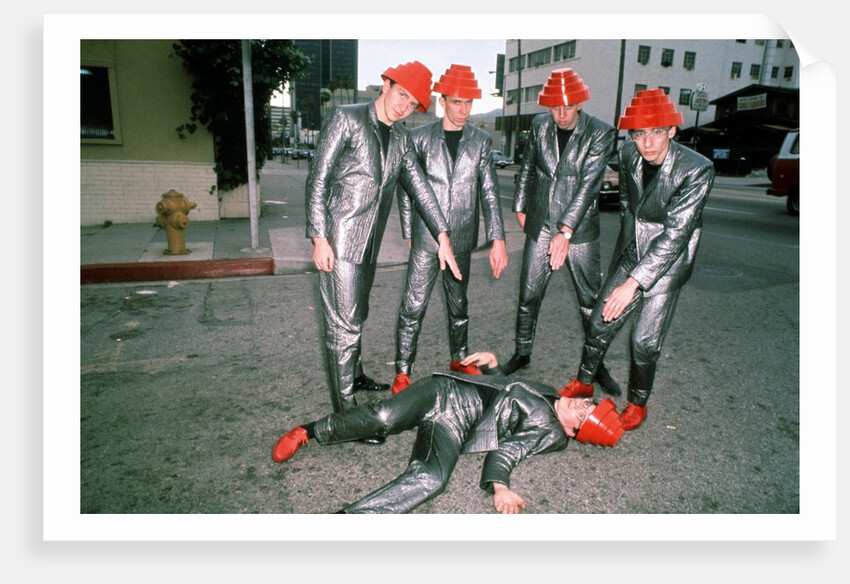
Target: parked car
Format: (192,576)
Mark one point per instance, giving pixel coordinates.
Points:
(609,192)
(783,170)
(500,160)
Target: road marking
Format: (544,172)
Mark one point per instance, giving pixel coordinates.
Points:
(707,208)
(750,239)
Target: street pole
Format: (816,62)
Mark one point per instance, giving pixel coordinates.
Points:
(619,102)
(519,94)
(248,91)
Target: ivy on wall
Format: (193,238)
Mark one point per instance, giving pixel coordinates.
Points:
(218,101)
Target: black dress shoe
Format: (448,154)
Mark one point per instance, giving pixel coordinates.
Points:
(364,383)
(516,363)
(606,382)
(373,440)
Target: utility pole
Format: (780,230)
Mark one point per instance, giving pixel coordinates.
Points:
(620,89)
(519,93)
(248,92)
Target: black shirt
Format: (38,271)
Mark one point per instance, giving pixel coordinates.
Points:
(563,138)
(452,140)
(649,172)
(385,136)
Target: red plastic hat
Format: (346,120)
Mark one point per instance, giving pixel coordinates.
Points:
(458,81)
(650,108)
(602,426)
(563,87)
(414,77)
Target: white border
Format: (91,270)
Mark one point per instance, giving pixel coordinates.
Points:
(62,520)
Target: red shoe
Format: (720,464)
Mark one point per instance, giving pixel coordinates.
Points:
(289,444)
(400,383)
(633,416)
(576,388)
(471,369)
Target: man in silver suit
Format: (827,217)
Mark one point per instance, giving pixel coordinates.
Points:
(361,156)
(457,160)
(664,187)
(556,205)
(455,413)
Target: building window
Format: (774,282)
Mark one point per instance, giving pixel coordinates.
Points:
(666,90)
(690,60)
(741,41)
(98,106)
(774,72)
(515,63)
(512,97)
(759,42)
(540,58)
(666,57)
(779,43)
(685,97)
(639,87)
(755,71)
(736,70)
(643,54)
(565,51)
(531,92)
(789,72)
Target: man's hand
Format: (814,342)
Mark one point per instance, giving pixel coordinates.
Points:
(520,218)
(481,358)
(323,254)
(559,247)
(619,299)
(446,256)
(498,257)
(506,501)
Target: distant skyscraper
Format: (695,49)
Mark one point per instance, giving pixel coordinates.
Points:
(331,60)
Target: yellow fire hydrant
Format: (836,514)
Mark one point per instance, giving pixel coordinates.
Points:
(172,214)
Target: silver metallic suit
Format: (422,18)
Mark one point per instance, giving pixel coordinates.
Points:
(659,234)
(465,188)
(555,190)
(518,423)
(349,192)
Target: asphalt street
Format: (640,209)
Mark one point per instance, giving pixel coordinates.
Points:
(186,385)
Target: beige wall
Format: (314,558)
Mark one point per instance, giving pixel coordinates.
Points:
(122,180)
(127,192)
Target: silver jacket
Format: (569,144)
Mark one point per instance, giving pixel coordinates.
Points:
(554,191)
(351,184)
(519,424)
(665,221)
(465,188)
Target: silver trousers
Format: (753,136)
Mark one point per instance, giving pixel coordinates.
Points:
(445,411)
(651,318)
(584,266)
(422,271)
(345,306)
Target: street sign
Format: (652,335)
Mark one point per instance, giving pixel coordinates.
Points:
(699,100)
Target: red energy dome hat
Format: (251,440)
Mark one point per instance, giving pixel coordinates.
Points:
(602,426)
(414,77)
(563,87)
(650,108)
(458,81)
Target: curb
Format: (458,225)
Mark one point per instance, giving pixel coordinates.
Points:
(151,271)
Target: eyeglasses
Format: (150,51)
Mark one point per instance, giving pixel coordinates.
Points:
(652,132)
(586,404)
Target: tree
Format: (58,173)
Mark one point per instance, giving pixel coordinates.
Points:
(218,101)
